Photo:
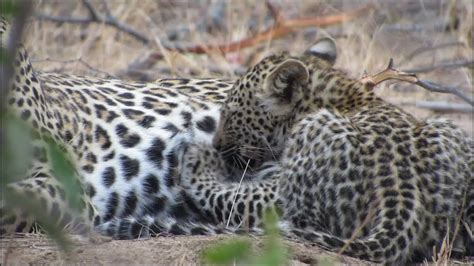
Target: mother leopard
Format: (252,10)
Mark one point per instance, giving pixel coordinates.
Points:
(123,139)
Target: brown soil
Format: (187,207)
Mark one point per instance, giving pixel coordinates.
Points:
(37,250)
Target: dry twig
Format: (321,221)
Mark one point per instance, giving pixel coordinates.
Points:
(445,107)
(460,63)
(281,28)
(428,48)
(95,17)
(391,73)
(437,26)
(77,60)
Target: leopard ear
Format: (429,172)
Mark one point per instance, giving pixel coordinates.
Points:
(282,84)
(324,49)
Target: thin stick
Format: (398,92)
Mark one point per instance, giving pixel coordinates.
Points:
(428,48)
(77,60)
(455,64)
(237,192)
(95,17)
(446,107)
(444,89)
(391,73)
(458,224)
(468,230)
(276,13)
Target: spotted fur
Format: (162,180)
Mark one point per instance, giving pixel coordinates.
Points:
(355,173)
(124,140)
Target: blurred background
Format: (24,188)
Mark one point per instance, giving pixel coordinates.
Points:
(434,38)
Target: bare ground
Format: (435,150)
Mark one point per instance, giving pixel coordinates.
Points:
(35,249)
(365,44)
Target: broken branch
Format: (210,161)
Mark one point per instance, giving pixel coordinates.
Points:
(95,17)
(391,73)
(445,107)
(281,28)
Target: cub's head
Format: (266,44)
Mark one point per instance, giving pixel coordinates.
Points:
(260,106)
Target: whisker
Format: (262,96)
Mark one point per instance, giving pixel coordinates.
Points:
(227,152)
(254,148)
(270,148)
(237,161)
(253,155)
(242,159)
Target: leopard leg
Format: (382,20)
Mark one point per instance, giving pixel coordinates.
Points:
(42,190)
(234,204)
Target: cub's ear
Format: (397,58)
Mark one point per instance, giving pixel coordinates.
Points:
(282,84)
(324,49)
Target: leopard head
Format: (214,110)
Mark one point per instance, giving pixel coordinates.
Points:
(263,102)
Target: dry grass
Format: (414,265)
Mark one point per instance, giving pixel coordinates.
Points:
(365,44)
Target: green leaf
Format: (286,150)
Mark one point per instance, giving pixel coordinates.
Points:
(64,171)
(270,220)
(16,152)
(61,165)
(4,56)
(274,252)
(224,253)
(272,257)
(8,7)
(15,157)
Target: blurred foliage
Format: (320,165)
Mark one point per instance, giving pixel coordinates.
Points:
(16,155)
(4,57)
(240,251)
(15,158)
(63,170)
(226,252)
(16,151)
(8,7)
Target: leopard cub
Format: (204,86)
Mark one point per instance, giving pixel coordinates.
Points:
(352,172)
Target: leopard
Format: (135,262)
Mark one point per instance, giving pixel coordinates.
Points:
(123,139)
(58,106)
(352,173)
